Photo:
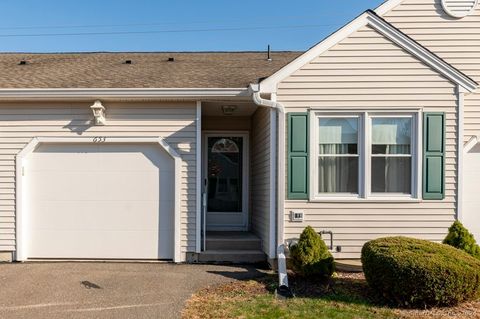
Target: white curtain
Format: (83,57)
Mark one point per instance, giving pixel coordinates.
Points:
(336,135)
(398,170)
(393,135)
(391,131)
(338,131)
(334,172)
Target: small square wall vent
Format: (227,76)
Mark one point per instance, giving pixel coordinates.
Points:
(296,216)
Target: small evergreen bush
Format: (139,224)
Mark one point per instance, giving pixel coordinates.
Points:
(310,256)
(459,237)
(418,273)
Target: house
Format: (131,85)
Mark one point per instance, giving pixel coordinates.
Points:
(226,156)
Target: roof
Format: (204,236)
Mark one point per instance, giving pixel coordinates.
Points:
(147,70)
(379,24)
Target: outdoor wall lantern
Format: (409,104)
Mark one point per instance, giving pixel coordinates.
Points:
(98,113)
(228,109)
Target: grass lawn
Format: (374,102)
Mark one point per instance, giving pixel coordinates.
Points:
(346,296)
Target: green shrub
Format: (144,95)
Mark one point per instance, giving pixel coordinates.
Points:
(310,256)
(459,237)
(418,273)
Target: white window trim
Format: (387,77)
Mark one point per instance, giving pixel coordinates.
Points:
(314,155)
(364,152)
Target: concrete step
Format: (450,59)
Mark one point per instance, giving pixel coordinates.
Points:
(233,244)
(232,256)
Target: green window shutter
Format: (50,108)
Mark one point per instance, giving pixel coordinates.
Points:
(297,156)
(434,156)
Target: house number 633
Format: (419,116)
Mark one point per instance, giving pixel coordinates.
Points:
(99,139)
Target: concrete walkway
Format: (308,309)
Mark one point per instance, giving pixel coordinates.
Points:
(106,290)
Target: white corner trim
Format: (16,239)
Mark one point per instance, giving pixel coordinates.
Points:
(198,158)
(460,151)
(369,18)
(22,215)
(474,140)
(116,93)
(387,6)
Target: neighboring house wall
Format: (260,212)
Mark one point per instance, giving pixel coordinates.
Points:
(260,176)
(457,41)
(19,123)
(366,71)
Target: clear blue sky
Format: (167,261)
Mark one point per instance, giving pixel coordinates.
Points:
(185,25)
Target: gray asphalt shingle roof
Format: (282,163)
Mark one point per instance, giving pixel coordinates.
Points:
(147,70)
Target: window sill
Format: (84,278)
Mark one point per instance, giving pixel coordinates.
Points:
(365,200)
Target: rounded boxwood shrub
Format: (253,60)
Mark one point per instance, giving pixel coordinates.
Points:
(459,237)
(310,256)
(418,273)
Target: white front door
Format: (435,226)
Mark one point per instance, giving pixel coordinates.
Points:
(225,174)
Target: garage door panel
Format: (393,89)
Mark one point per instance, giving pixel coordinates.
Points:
(100,245)
(132,185)
(166,221)
(97,215)
(65,157)
(100,201)
(166,190)
(62,186)
(128,158)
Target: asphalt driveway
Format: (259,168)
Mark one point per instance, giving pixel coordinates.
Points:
(106,290)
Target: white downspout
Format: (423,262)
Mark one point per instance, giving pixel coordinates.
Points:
(258,100)
(460,150)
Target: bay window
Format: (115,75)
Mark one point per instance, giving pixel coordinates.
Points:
(367,155)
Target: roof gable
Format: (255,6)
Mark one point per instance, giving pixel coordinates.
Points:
(387,6)
(370,18)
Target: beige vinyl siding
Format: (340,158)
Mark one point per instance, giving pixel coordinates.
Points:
(260,176)
(19,123)
(367,73)
(457,41)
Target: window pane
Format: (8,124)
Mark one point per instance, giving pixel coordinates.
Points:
(391,135)
(338,135)
(338,175)
(225,171)
(391,175)
(337,149)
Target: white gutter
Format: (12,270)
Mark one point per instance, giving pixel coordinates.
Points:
(115,93)
(258,100)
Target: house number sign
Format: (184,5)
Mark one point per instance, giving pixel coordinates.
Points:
(99,139)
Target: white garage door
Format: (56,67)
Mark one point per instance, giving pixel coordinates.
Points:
(99,201)
(471,191)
